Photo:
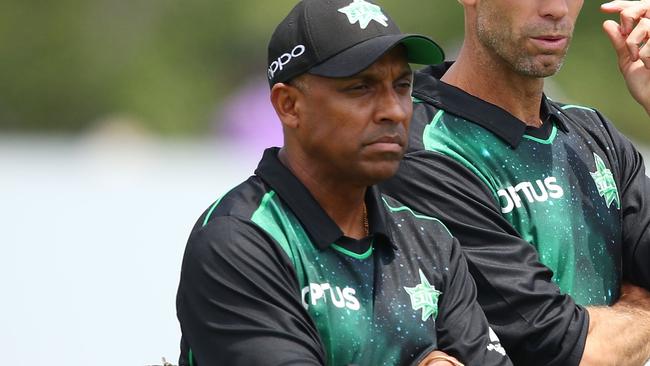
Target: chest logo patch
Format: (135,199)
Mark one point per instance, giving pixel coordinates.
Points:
(325,293)
(605,183)
(364,12)
(425,297)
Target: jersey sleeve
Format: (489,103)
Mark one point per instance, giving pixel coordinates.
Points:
(238,301)
(634,193)
(462,328)
(522,304)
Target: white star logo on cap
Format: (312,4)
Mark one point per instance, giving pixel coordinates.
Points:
(364,12)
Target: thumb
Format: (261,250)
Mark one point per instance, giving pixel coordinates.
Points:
(613,31)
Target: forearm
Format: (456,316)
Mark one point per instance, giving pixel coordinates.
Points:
(618,335)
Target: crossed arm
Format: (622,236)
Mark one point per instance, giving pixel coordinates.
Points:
(536,323)
(623,328)
(239,303)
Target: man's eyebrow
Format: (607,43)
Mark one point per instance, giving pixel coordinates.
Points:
(406,72)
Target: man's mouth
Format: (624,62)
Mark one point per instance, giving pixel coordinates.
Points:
(550,42)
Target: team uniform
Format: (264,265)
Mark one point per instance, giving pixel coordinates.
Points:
(571,194)
(268,278)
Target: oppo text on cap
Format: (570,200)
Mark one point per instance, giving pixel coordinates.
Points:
(284,59)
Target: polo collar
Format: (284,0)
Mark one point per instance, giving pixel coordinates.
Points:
(429,88)
(322,230)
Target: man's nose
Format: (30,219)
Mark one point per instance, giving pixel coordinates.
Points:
(393,107)
(554,9)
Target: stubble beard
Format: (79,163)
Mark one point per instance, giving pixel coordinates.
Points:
(511,51)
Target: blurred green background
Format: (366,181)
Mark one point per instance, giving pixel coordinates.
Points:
(168,65)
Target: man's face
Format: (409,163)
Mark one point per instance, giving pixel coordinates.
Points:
(531,36)
(355,129)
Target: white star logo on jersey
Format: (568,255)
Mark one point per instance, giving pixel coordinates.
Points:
(605,183)
(364,12)
(425,297)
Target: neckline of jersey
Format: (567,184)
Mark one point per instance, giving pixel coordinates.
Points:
(322,230)
(430,89)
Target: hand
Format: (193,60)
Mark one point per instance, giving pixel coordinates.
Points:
(630,40)
(439,358)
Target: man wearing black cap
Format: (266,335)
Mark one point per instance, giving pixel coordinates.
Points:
(306,263)
(549,200)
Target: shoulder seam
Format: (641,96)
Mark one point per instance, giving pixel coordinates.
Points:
(416,215)
(574,106)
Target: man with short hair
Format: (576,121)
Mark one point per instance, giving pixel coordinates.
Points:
(306,263)
(547,199)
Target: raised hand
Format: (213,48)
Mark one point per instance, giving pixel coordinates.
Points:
(630,40)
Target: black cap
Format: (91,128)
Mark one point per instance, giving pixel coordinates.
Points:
(339,38)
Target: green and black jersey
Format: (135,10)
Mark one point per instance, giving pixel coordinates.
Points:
(269,279)
(572,195)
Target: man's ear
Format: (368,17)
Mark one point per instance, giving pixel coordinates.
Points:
(284,98)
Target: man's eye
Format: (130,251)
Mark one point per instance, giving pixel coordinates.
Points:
(404,84)
(358,87)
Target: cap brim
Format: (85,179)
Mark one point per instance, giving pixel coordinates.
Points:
(420,50)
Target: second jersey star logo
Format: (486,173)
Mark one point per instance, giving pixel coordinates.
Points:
(425,297)
(364,12)
(605,183)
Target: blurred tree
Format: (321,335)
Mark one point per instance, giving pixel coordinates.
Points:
(65,65)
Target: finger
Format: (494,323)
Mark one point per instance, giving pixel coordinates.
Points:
(444,361)
(638,38)
(616,6)
(630,12)
(644,55)
(630,16)
(613,31)
(438,358)
(440,363)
